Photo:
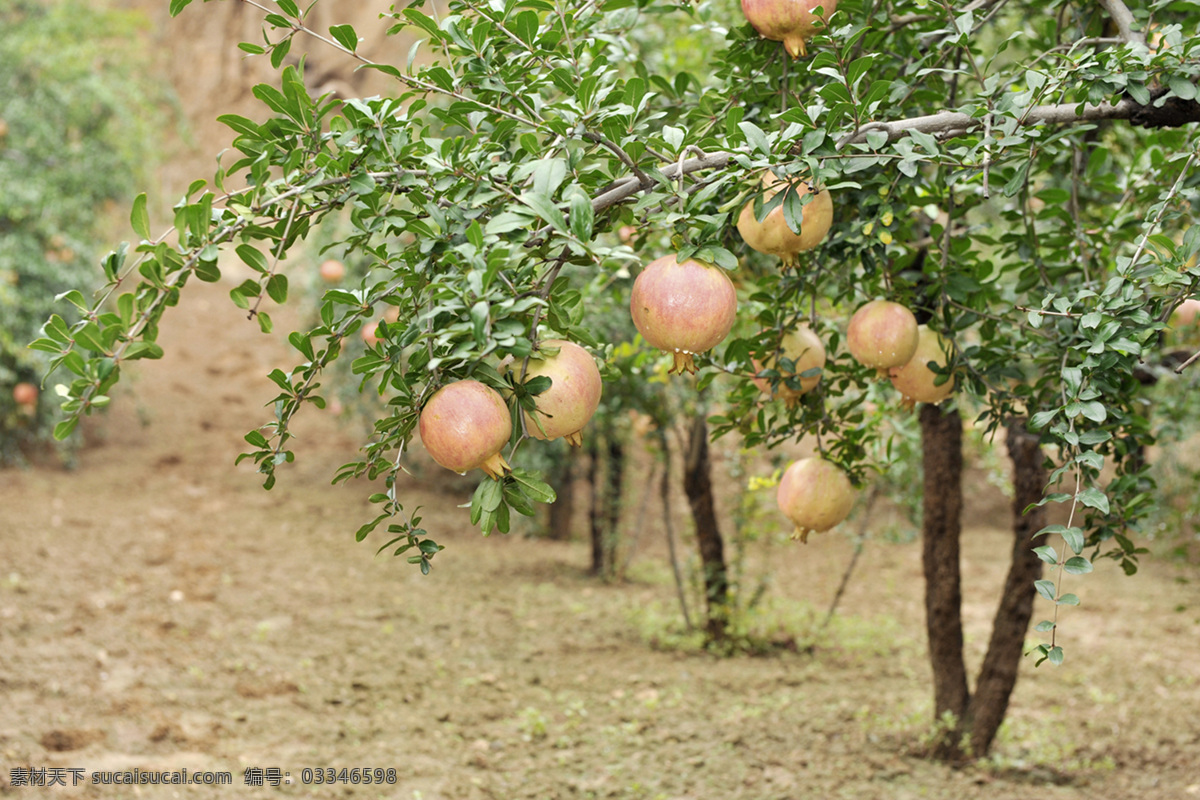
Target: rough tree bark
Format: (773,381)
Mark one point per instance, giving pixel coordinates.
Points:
(697,485)
(998,675)
(941,446)
(975,718)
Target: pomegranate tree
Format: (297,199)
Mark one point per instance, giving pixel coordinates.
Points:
(772,235)
(792,22)
(882,335)
(915,380)
(683,308)
(806,352)
(815,495)
(573,396)
(465,425)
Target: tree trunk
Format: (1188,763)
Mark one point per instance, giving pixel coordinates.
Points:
(697,484)
(595,512)
(998,675)
(612,503)
(605,474)
(562,510)
(941,445)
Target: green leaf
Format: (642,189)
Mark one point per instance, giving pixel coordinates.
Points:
(279,52)
(346,36)
(1068,600)
(1182,87)
(1055,656)
(240,124)
(277,288)
(139,218)
(423,22)
(534,487)
(178,5)
(1045,589)
(526,26)
(138,350)
(1047,553)
(264,322)
(755,136)
(582,217)
(362,183)
(1078,565)
(1073,537)
(488,495)
(545,208)
(1093,498)
(63,429)
(250,255)
(1042,419)
(1045,626)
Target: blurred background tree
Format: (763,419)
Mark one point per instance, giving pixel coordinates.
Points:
(79,121)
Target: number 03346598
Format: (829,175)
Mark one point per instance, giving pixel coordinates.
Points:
(325,775)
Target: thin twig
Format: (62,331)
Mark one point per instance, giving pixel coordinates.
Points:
(859,539)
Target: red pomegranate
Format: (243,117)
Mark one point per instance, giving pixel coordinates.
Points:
(683,309)
(915,380)
(369,333)
(772,236)
(815,495)
(882,335)
(465,425)
(792,22)
(25,394)
(332,271)
(573,396)
(807,352)
(1185,313)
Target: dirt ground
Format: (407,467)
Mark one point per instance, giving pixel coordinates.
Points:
(160,611)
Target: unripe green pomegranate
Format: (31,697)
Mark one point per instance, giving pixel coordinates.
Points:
(573,396)
(465,425)
(792,22)
(807,352)
(815,495)
(772,236)
(882,335)
(683,309)
(915,380)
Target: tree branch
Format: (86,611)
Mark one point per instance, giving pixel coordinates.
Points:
(1124,20)
(1174,113)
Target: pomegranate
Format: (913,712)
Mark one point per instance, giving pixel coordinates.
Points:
(1183,329)
(882,335)
(464,425)
(332,271)
(792,22)
(25,394)
(806,352)
(815,495)
(915,380)
(772,236)
(573,396)
(1185,314)
(369,334)
(683,309)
